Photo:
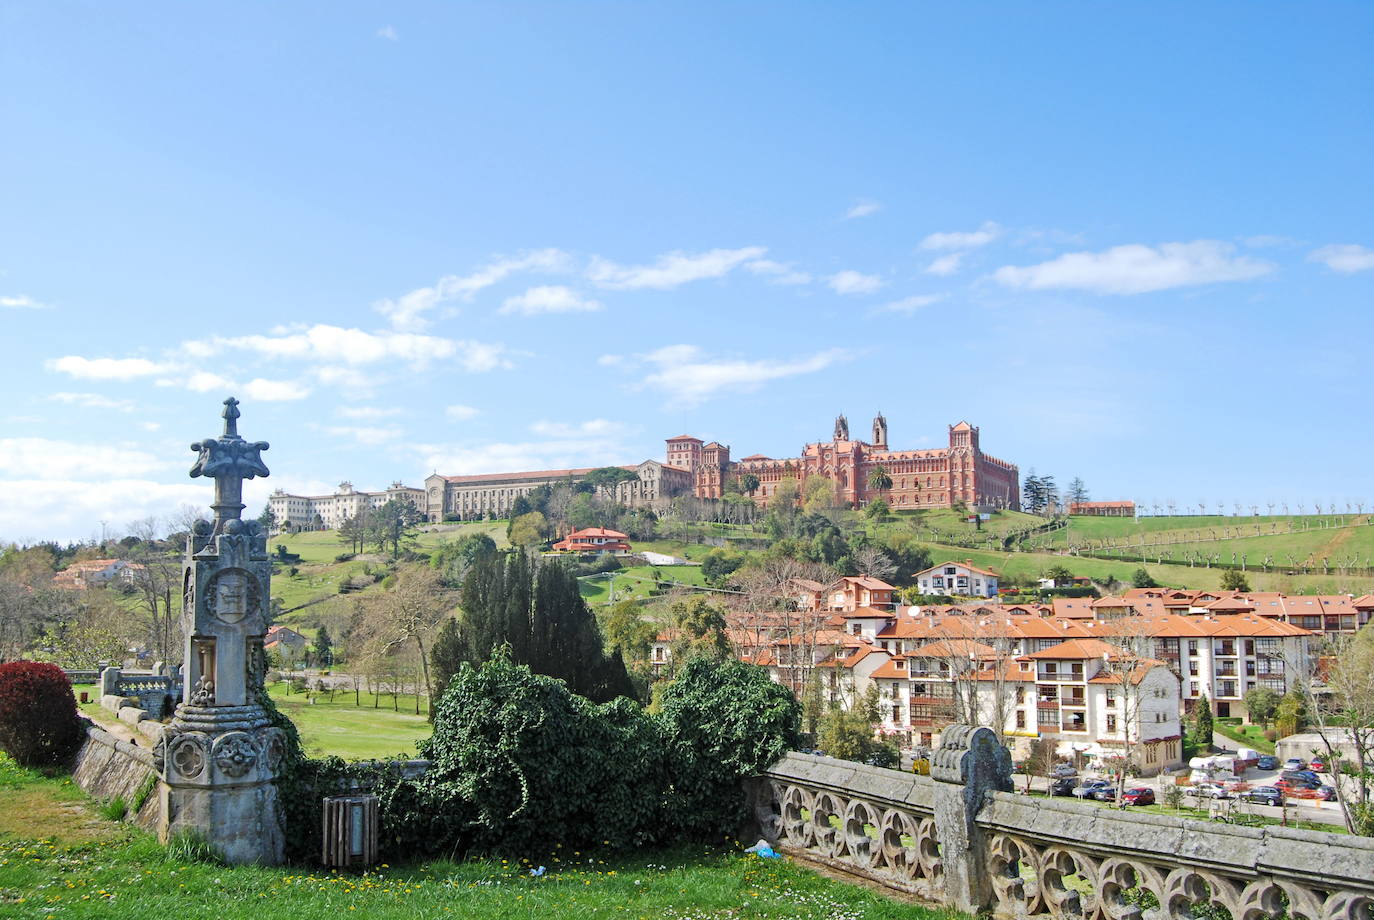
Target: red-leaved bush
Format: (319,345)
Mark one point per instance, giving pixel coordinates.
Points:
(38,721)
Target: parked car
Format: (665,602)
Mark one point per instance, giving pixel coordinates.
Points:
(1300,776)
(1138,795)
(1086,790)
(1063,770)
(1263,795)
(1326,793)
(1209,791)
(1295,763)
(1317,765)
(1267,762)
(1063,786)
(1105,793)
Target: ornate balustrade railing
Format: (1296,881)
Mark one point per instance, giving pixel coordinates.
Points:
(956,838)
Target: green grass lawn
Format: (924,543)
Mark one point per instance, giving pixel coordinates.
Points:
(1251,736)
(58,858)
(352,731)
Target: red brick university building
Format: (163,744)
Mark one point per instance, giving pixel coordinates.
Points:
(937,478)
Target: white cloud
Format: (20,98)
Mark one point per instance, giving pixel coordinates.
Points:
(93,401)
(22,302)
(106,368)
(672,269)
(350,378)
(461,413)
(150,426)
(549,299)
(389,33)
(852,282)
(863,209)
(407,312)
(365,434)
(596,428)
(1137,269)
(44,458)
(946,264)
(611,360)
(1346,258)
(368,412)
(778,272)
(689,378)
(957,240)
(911,304)
(202,382)
(275,390)
(68,509)
(332,344)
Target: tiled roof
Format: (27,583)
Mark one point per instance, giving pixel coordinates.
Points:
(968,565)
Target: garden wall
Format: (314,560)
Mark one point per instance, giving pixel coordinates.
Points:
(106,767)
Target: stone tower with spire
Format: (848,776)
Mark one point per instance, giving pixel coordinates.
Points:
(879,432)
(841,428)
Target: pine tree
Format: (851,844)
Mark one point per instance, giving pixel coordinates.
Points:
(445,655)
(1202,721)
(324,648)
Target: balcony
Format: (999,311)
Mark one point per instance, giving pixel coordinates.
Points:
(1056,674)
(1047,704)
(1076,701)
(1224,649)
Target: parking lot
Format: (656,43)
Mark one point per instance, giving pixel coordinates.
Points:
(1223,802)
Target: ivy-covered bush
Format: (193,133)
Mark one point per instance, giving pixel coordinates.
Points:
(38,721)
(721,721)
(525,764)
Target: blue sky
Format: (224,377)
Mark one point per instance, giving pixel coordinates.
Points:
(1132,243)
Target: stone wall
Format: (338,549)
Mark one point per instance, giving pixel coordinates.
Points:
(1018,856)
(106,767)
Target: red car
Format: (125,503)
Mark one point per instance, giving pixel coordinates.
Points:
(1138,795)
(1317,765)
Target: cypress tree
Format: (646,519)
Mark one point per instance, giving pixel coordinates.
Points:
(1202,725)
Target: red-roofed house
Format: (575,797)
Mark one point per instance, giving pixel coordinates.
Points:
(594,540)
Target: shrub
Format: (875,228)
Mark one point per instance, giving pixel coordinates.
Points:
(38,721)
(721,721)
(344,557)
(519,762)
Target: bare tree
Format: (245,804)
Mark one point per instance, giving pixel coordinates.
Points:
(1341,708)
(156,577)
(1128,671)
(871,561)
(406,616)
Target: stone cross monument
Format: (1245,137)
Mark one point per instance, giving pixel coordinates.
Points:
(219,757)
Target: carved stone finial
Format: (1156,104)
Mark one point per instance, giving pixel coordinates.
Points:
(231,417)
(229,460)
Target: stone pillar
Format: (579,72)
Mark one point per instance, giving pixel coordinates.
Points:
(109,682)
(969,763)
(219,757)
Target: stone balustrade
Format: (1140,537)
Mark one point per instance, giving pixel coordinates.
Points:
(1019,856)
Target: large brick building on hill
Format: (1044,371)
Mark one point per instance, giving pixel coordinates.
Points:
(934,478)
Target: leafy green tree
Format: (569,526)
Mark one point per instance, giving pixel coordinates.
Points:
(528,530)
(1262,704)
(1141,578)
(1231,580)
(453,558)
(1291,715)
(879,480)
(818,494)
(718,564)
(1077,491)
(268,518)
(1202,721)
(701,629)
(877,510)
(606,478)
(748,484)
(1061,575)
(394,524)
(627,632)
